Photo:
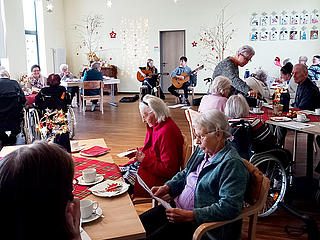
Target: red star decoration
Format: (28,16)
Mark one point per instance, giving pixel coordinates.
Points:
(110,59)
(194,44)
(113,34)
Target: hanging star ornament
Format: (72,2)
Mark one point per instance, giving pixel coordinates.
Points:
(49,7)
(194,44)
(109,3)
(113,34)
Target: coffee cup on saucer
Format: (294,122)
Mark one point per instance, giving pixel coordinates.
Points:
(89,175)
(301,117)
(256,110)
(88,207)
(317,111)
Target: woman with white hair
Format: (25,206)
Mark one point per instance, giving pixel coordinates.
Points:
(229,68)
(64,75)
(257,82)
(219,91)
(161,156)
(211,188)
(237,107)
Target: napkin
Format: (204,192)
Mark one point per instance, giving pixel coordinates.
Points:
(95,151)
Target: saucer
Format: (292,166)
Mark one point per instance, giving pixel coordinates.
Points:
(93,216)
(77,149)
(260,112)
(307,120)
(99,178)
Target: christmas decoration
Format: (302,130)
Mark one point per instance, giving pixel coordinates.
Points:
(89,34)
(194,44)
(25,83)
(214,40)
(113,34)
(109,3)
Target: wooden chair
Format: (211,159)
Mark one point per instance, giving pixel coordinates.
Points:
(92,85)
(255,198)
(190,91)
(191,115)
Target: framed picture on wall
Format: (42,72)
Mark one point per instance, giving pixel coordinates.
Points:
(254,35)
(284,19)
(294,19)
(314,17)
(293,35)
(254,21)
(264,35)
(303,35)
(304,18)
(284,35)
(314,34)
(274,20)
(274,35)
(264,20)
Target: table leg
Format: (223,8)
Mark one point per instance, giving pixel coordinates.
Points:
(112,96)
(309,172)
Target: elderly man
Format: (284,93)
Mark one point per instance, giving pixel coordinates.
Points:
(314,69)
(229,68)
(307,95)
(12,100)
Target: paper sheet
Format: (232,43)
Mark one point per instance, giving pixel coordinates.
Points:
(296,125)
(123,154)
(142,183)
(177,105)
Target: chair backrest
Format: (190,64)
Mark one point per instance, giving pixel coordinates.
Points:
(55,101)
(191,115)
(186,152)
(11,112)
(93,85)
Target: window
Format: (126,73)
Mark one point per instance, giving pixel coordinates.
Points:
(31,33)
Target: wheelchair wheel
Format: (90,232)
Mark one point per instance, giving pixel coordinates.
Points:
(25,127)
(71,122)
(32,119)
(272,168)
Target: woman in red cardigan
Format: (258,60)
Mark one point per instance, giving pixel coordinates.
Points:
(160,158)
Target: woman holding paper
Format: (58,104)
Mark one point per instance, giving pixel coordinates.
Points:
(210,188)
(160,158)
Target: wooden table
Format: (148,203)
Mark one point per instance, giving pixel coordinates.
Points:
(120,218)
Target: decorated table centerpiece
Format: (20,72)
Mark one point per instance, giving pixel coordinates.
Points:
(25,84)
(277,106)
(53,127)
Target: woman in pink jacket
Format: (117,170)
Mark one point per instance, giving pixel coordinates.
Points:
(160,158)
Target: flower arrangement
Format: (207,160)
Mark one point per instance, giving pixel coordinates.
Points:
(25,83)
(52,124)
(277,94)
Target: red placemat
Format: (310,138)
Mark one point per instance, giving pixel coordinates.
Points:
(30,99)
(110,170)
(95,151)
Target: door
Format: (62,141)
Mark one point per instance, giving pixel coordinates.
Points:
(172,47)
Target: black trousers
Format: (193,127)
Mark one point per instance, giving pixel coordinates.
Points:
(74,91)
(158,227)
(185,86)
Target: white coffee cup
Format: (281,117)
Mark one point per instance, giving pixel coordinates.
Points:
(317,111)
(89,175)
(255,110)
(74,145)
(87,207)
(301,117)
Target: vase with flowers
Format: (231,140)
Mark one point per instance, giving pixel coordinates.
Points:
(25,83)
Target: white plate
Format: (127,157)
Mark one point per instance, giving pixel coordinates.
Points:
(93,216)
(307,120)
(260,112)
(77,149)
(95,155)
(280,119)
(99,178)
(99,189)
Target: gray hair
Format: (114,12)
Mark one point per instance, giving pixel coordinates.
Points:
(260,75)
(246,51)
(220,84)
(213,120)
(4,73)
(96,65)
(236,107)
(303,67)
(303,58)
(62,66)
(156,105)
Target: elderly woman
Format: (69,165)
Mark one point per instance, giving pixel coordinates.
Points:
(37,80)
(53,97)
(237,107)
(64,75)
(161,156)
(36,181)
(210,188)
(219,91)
(229,68)
(94,74)
(257,82)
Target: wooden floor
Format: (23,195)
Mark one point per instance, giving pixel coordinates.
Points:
(122,129)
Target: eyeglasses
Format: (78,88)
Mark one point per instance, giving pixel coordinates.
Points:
(248,59)
(202,137)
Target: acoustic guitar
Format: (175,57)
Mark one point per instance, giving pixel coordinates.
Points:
(148,74)
(177,82)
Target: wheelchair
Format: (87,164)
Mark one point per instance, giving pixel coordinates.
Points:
(33,115)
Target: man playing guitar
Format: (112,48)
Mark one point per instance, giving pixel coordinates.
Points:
(183,68)
(149,76)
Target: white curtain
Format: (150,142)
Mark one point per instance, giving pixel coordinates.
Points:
(2,37)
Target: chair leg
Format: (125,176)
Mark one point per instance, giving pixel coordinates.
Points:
(83,107)
(101,106)
(252,227)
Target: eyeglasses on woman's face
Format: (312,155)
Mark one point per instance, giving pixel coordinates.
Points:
(203,136)
(246,58)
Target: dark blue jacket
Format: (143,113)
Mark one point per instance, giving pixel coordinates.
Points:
(92,75)
(307,96)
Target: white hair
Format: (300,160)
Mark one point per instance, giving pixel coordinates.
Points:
(213,120)
(260,75)
(4,73)
(236,107)
(156,105)
(95,65)
(246,50)
(62,66)
(303,58)
(220,85)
